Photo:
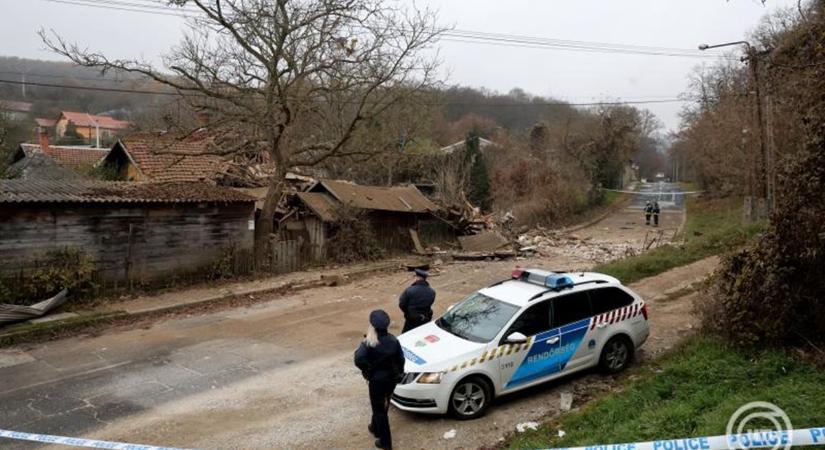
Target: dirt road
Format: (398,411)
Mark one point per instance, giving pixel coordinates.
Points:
(278,374)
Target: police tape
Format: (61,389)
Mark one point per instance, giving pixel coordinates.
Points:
(77,442)
(756,439)
(624,191)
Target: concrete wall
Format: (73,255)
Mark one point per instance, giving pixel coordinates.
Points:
(128,242)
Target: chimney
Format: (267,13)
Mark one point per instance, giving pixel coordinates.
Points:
(44,139)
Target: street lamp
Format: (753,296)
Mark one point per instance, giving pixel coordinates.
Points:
(753,62)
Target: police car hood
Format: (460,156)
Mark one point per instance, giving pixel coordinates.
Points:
(428,348)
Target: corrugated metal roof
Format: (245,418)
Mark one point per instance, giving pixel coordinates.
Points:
(321,204)
(398,198)
(91,191)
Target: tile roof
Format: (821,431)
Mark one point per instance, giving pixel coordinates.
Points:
(92,191)
(396,198)
(68,156)
(323,205)
(167,158)
(82,119)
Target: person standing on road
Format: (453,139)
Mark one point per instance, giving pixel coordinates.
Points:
(416,302)
(656,211)
(648,212)
(381,361)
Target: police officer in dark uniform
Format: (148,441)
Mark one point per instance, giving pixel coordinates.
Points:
(656,211)
(416,302)
(648,212)
(381,361)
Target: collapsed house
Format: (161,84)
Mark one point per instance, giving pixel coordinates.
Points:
(392,213)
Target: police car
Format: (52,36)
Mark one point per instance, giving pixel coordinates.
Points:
(531,328)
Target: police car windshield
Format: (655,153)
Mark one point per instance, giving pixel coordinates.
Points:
(477,318)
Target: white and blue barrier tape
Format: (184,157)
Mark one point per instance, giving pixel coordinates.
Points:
(77,442)
(757,439)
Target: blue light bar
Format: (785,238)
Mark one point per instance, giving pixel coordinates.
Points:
(556,281)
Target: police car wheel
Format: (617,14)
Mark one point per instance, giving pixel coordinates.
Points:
(470,398)
(616,355)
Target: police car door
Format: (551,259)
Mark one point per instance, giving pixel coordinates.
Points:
(518,364)
(607,303)
(571,317)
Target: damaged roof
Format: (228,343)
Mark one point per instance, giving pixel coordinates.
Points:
(397,198)
(323,205)
(91,191)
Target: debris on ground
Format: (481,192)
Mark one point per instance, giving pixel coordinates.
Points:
(566,401)
(483,242)
(561,433)
(522,427)
(543,242)
(450,434)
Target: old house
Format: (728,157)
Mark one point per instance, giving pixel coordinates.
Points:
(78,159)
(391,211)
(91,129)
(141,232)
(164,157)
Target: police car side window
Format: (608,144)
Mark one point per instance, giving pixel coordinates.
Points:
(608,299)
(571,308)
(532,321)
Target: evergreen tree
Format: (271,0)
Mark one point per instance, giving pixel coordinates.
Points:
(479,192)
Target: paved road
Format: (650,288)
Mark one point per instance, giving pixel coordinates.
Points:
(272,375)
(667,194)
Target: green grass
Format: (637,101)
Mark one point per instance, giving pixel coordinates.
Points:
(712,227)
(693,393)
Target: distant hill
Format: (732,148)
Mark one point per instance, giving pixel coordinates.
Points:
(49,101)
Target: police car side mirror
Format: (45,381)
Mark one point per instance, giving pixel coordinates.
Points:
(516,338)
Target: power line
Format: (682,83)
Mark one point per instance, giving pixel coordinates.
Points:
(457,35)
(68,76)
(519,105)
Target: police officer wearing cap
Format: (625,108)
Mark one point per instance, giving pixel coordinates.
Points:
(416,302)
(381,361)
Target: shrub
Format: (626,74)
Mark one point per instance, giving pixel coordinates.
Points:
(772,293)
(67,268)
(353,239)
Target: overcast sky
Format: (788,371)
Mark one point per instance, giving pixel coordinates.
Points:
(566,75)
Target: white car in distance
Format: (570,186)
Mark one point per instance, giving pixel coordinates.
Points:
(534,327)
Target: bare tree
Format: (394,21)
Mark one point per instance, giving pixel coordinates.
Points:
(292,78)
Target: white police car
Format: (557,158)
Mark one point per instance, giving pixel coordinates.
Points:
(517,333)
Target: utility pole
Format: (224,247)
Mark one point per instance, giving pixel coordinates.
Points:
(761,193)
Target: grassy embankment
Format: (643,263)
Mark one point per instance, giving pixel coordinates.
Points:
(691,392)
(713,226)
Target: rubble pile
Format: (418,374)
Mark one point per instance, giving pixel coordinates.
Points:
(543,242)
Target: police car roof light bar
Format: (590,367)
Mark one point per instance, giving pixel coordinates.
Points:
(568,286)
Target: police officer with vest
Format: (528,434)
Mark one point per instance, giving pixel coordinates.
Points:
(648,212)
(416,302)
(381,361)
(656,211)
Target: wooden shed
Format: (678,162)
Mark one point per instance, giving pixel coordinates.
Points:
(133,231)
(391,211)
